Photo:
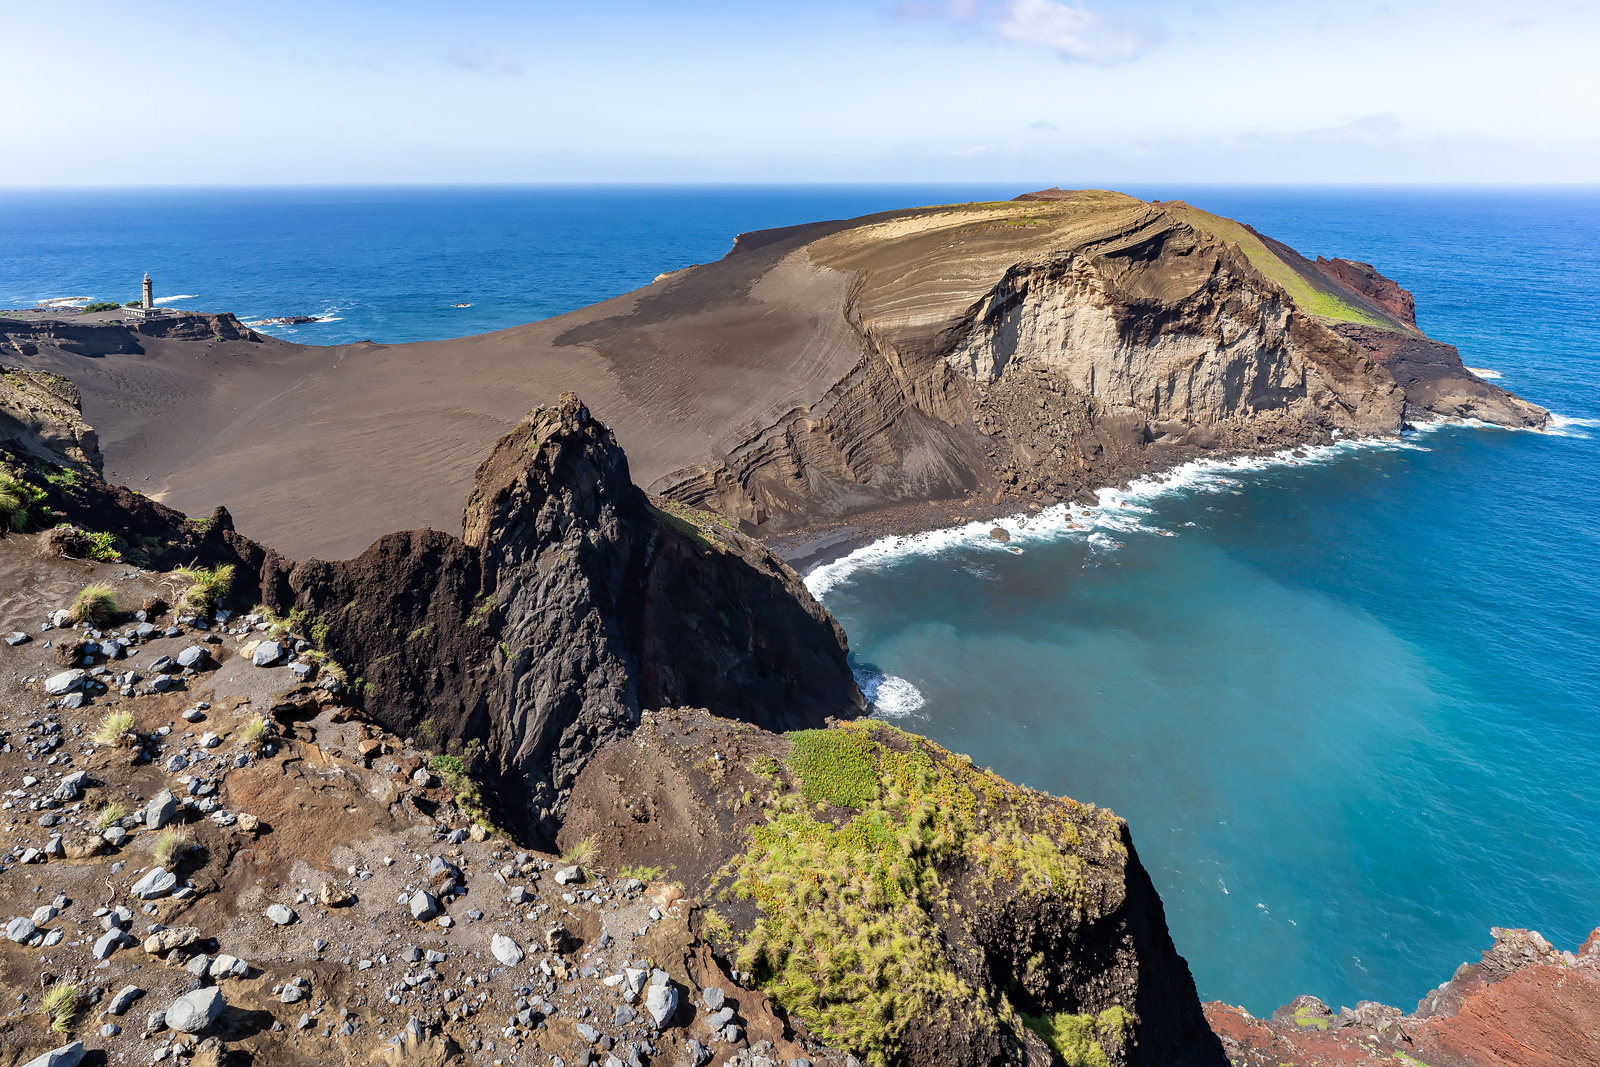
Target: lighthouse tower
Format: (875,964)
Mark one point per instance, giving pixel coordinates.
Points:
(149,292)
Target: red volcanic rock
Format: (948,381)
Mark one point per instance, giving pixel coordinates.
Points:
(1365,279)
(1525,1004)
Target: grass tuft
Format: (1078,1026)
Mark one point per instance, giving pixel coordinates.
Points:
(253,731)
(644,874)
(96,605)
(169,846)
(207,586)
(18,501)
(114,728)
(580,853)
(1080,1040)
(60,1005)
(109,816)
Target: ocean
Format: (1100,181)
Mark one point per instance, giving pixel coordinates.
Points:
(1349,703)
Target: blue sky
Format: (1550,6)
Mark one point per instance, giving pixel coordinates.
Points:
(1031,91)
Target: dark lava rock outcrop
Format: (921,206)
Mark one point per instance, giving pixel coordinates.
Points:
(899,902)
(1524,1004)
(569,605)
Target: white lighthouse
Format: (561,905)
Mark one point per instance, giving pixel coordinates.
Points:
(149,292)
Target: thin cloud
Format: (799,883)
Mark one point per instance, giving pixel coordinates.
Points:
(480,62)
(1048,127)
(1075,33)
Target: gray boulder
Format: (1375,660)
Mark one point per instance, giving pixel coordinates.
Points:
(267,653)
(124,999)
(423,906)
(662,1003)
(506,950)
(281,915)
(193,1012)
(20,930)
(161,810)
(569,875)
(157,882)
(193,656)
(17,637)
(65,682)
(72,786)
(65,1056)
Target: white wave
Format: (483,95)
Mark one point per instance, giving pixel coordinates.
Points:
(1561,426)
(1116,514)
(1483,372)
(170,299)
(889,695)
(62,301)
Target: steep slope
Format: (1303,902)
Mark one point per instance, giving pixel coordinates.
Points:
(1038,348)
(900,903)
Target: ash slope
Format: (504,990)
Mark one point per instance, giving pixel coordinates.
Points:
(1042,347)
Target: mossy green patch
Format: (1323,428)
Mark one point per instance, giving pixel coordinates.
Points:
(1306,1017)
(851,877)
(1305,295)
(1080,1040)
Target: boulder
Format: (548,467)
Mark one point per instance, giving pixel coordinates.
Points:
(163,941)
(193,656)
(662,1003)
(20,930)
(157,882)
(423,906)
(65,682)
(267,653)
(281,915)
(569,875)
(123,1000)
(106,944)
(69,1055)
(506,950)
(193,1012)
(77,846)
(161,810)
(333,895)
(72,786)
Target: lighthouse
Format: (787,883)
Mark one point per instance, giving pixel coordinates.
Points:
(149,292)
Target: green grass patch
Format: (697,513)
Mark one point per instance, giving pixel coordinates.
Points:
(839,766)
(1305,295)
(644,874)
(96,605)
(114,728)
(100,305)
(20,501)
(207,586)
(1080,1040)
(60,1005)
(847,876)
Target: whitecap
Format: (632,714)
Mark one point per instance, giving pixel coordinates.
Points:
(1483,372)
(169,299)
(1561,426)
(890,695)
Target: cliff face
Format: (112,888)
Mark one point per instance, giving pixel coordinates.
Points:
(898,902)
(570,605)
(1072,340)
(42,414)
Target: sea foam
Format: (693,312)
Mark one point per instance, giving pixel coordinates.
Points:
(1116,512)
(170,299)
(890,696)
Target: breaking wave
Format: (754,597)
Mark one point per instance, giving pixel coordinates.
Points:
(890,696)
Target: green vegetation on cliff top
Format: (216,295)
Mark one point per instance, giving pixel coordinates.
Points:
(855,874)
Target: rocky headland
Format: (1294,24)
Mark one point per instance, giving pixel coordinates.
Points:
(576,773)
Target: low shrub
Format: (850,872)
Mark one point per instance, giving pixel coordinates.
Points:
(96,605)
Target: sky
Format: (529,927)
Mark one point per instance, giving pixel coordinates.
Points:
(180,92)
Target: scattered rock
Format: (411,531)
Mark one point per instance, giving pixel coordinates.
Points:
(123,1000)
(662,1003)
(164,941)
(193,657)
(195,1011)
(163,807)
(157,882)
(17,637)
(267,653)
(506,950)
(65,682)
(333,895)
(281,915)
(423,906)
(20,930)
(66,1056)
(569,875)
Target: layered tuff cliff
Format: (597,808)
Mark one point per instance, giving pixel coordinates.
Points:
(1070,340)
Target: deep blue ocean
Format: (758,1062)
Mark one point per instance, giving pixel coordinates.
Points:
(1350,705)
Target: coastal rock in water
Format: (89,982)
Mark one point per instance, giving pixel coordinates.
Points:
(1524,1002)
